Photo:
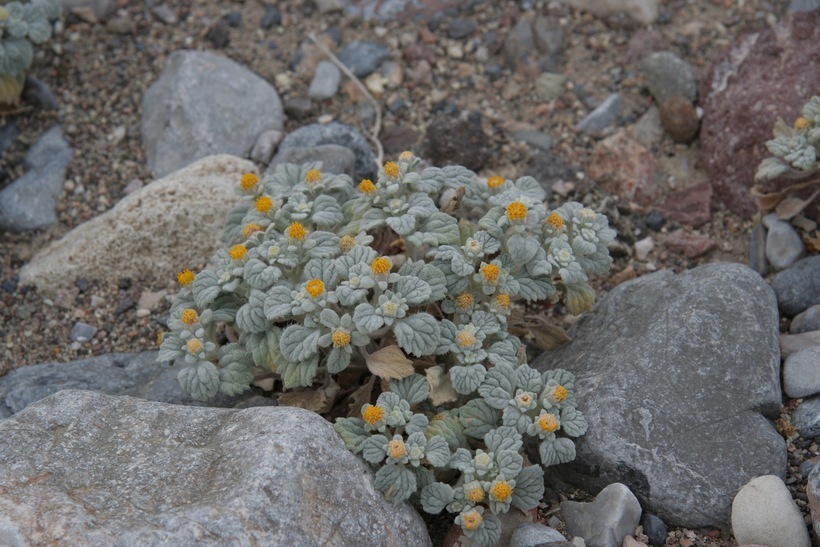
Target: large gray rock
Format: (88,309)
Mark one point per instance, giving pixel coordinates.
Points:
(316,134)
(135,374)
(30,202)
(204,104)
(151,234)
(81,468)
(677,375)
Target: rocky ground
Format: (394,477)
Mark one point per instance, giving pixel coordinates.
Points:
(439,65)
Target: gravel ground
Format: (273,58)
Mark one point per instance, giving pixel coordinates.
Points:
(99,72)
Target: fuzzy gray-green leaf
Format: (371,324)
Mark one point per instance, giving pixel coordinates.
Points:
(299,343)
(417,334)
(553,452)
(573,423)
(436,496)
(438,451)
(396,482)
(478,418)
(413,389)
(352,432)
(200,380)
(529,488)
(467,379)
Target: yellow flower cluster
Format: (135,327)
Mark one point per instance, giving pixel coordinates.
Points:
(465,301)
(340,339)
(367,186)
(391,169)
(560,393)
(346,243)
(248,181)
(185,277)
(555,220)
(490,272)
(381,265)
(315,287)
(250,229)
(313,176)
(547,422)
(516,210)
(238,252)
(189,316)
(495,182)
(263,204)
(501,490)
(502,300)
(396,449)
(296,231)
(372,414)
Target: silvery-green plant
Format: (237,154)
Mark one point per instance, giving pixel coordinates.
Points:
(22,23)
(418,272)
(794,149)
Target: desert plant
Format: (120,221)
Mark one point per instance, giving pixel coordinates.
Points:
(412,278)
(794,148)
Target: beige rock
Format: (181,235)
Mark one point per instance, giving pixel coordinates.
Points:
(642,11)
(171,224)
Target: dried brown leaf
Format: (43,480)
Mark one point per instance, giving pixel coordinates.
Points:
(455,202)
(441,388)
(317,400)
(791,207)
(390,363)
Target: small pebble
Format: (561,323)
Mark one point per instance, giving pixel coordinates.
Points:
(654,528)
(165,14)
(82,332)
(234,19)
(271,17)
(806,321)
(680,120)
(603,116)
(643,247)
(325,81)
(461,28)
(655,221)
(784,246)
(801,373)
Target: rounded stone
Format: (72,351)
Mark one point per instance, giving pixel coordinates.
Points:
(680,120)
(798,287)
(763,512)
(801,373)
(783,245)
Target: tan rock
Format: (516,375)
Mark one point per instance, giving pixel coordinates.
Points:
(171,224)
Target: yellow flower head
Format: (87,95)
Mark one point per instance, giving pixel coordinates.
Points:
(502,300)
(194,345)
(263,204)
(475,494)
(391,169)
(396,449)
(407,156)
(340,339)
(490,273)
(465,338)
(250,229)
(501,490)
(372,414)
(555,221)
(189,316)
(801,123)
(471,520)
(185,277)
(248,181)
(548,423)
(296,231)
(495,182)
(560,393)
(516,210)
(313,176)
(315,287)
(346,243)
(381,265)
(367,186)
(465,301)
(238,252)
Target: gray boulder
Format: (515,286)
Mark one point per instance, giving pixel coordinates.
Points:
(30,202)
(316,134)
(135,374)
(677,375)
(204,104)
(82,468)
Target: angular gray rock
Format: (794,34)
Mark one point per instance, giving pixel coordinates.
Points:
(801,373)
(82,468)
(82,332)
(604,522)
(667,75)
(675,374)
(363,57)
(798,287)
(29,203)
(204,104)
(325,81)
(602,117)
(806,418)
(806,321)
(764,513)
(135,374)
(316,134)
(642,11)
(803,5)
(533,534)
(265,145)
(335,159)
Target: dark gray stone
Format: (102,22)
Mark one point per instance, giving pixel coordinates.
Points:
(8,134)
(532,534)
(335,159)
(271,17)
(798,287)
(798,6)
(29,202)
(363,57)
(204,104)
(298,107)
(325,81)
(82,332)
(667,75)
(757,250)
(806,321)
(316,134)
(801,373)
(135,374)
(806,468)
(604,522)
(602,117)
(654,528)
(83,468)
(675,375)
(461,28)
(458,140)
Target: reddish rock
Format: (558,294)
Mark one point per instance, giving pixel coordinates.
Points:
(419,51)
(691,207)
(626,168)
(459,141)
(761,77)
(398,138)
(680,120)
(691,245)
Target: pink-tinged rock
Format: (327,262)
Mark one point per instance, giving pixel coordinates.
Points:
(626,168)
(691,245)
(760,77)
(691,207)
(792,343)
